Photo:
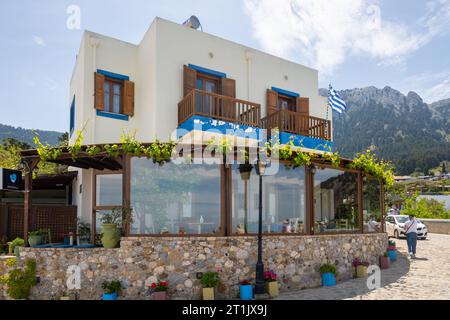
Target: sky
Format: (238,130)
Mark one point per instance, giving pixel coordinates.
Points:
(403,44)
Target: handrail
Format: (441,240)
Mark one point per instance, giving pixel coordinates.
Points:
(216,106)
(297,123)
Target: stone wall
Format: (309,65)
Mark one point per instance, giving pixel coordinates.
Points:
(437,225)
(296,260)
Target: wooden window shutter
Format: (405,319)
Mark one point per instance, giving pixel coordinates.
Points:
(272,101)
(99,93)
(128,94)
(189,79)
(228,88)
(303,105)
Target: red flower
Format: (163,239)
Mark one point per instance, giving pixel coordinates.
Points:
(153,285)
(164,283)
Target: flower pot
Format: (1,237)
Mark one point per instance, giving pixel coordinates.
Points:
(34,240)
(392,255)
(246,292)
(160,295)
(110,235)
(17,251)
(328,279)
(361,271)
(385,263)
(208,293)
(272,288)
(110,296)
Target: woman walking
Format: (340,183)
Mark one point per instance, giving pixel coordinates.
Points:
(411,235)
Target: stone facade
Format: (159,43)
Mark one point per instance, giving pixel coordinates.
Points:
(295,259)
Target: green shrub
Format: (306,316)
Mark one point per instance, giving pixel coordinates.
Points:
(20,281)
(210,280)
(327,268)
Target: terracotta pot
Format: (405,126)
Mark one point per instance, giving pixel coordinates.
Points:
(160,295)
(272,288)
(208,293)
(361,271)
(385,263)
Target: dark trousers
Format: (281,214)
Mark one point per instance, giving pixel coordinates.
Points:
(411,240)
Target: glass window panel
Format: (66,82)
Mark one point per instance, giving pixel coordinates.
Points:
(175,199)
(284,199)
(109,190)
(372,206)
(107,96)
(335,201)
(116,98)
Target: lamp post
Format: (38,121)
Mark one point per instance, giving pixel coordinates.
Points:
(260,285)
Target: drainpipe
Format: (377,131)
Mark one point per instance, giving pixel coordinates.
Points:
(94,43)
(248,57)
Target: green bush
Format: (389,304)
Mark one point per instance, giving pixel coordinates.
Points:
(210,280)
(327,268)
(424,208)
(20,281)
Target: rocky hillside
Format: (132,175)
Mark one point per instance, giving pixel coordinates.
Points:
(405,130)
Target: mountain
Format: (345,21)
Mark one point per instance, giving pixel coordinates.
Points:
(26,135)
(405,130)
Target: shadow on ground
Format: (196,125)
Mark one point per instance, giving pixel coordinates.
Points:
(353,287)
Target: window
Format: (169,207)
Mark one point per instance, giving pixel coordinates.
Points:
(175,199)
(113,95)
(108,190)
(284,201)
(335,201)
(286,103)
(372,205)
(72,117)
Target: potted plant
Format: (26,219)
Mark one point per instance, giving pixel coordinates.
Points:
(328,273)
(14,246)
(110,228)
(385,263)
(245,290)
(35,238)
(271,283)
(360,268)
(392,253)
(209,281)
(83,232)
(391,245)
(160,290)
(111,289)
(18,281)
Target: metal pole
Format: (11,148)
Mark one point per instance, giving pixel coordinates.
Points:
(260,286)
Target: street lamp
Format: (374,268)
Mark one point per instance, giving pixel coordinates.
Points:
(260,285)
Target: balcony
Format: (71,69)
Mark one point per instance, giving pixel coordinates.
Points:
(297,123)
(218,107)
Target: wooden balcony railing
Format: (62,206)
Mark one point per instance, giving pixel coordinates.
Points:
(219,107)
(297,123)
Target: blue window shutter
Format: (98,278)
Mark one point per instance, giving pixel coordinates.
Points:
(72,117)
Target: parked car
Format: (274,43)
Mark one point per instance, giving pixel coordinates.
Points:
(395,224)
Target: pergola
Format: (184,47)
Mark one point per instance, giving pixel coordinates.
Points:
(30,160)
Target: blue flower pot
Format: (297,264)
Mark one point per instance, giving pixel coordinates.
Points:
(392,254)
(110,296)
(328,279)
(246,292)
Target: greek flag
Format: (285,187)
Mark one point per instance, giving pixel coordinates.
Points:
(335,101)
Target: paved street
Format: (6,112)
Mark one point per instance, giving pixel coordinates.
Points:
(427,277)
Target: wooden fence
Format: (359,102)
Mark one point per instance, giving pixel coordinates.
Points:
(60,219)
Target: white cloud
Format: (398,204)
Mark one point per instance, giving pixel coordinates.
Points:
(324,33)
(431,87)
(39,41)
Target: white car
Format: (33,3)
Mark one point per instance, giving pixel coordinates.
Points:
(395,224)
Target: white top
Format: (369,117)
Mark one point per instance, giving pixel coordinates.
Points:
(411,226)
